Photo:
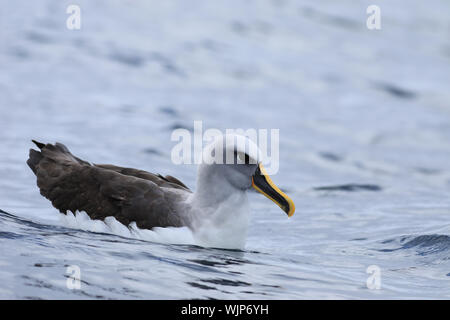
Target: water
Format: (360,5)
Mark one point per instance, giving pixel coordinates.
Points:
(364,121)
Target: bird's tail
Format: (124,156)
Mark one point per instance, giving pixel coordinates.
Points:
(55,152)
(35,156)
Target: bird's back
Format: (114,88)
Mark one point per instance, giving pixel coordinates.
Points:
(127,194)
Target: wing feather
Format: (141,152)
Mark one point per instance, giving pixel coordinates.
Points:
(72,184)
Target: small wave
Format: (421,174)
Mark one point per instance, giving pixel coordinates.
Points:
(110,225)
(351,187)
(427,243)
(423,244)
(396,91)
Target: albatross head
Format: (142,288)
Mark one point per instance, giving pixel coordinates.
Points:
(232,164)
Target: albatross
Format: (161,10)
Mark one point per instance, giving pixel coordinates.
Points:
(217,212)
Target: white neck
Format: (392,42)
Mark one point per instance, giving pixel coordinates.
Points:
(219,211)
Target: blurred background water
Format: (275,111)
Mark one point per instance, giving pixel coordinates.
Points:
(364,119)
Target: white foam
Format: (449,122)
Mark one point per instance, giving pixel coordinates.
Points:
(110,225)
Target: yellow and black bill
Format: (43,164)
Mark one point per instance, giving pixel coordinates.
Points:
(262,183)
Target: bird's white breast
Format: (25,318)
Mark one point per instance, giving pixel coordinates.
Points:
(225,226)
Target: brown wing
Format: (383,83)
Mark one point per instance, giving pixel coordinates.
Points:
(129,195)
(167,181)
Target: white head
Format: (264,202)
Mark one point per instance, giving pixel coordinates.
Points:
(231,165)
(234,157)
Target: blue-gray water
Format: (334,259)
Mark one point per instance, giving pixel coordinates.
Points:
(364,119)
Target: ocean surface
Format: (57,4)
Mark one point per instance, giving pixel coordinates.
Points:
(364,120)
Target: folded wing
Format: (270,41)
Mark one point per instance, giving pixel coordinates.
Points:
(127,194)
